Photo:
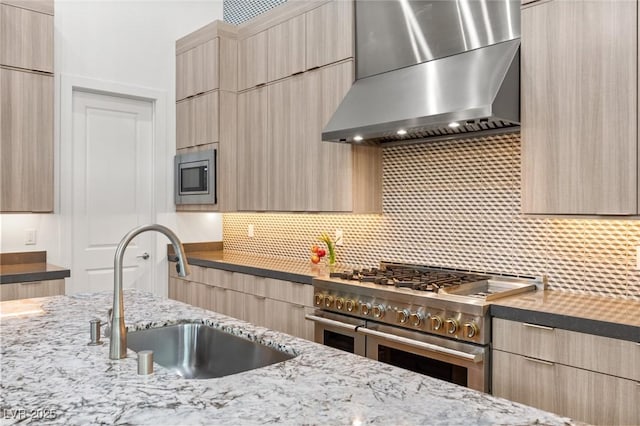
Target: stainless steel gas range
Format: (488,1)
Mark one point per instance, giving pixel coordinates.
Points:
(430,320)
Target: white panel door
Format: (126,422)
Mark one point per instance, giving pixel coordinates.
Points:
(112,172)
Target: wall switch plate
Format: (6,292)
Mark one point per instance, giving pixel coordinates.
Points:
(30,237)
(638,258)
(339,239)
(250,231)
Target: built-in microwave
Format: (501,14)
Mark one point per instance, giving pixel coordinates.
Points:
(195,177)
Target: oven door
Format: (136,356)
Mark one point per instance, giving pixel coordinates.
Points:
(338,331)
(456,362)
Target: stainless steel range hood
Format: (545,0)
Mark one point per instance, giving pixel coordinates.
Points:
(431,69)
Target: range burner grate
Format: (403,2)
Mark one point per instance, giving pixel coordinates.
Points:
(402,276)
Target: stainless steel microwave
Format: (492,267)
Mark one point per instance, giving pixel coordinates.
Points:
(195,177)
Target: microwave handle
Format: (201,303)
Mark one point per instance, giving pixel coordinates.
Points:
(330,322)
(422,345)
(215,176)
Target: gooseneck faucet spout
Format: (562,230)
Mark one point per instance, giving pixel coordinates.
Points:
(118,340)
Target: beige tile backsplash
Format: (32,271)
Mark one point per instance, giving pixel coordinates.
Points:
(457,204)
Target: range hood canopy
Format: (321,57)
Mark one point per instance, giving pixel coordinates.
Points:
(453,88)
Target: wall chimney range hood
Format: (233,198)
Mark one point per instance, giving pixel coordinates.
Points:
(430,70)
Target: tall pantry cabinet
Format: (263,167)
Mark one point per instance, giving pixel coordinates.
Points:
(26,106)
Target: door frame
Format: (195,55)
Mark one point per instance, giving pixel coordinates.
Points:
(63,178)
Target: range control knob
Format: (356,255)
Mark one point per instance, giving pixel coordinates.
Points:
(452,326)
(436,322)
(340,303)
(318,298)
(470,329)
(350,305)
(365,308)
(328,301)
(416,319)
(402,316)
(378,311)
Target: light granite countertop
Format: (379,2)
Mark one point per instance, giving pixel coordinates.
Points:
(47,370)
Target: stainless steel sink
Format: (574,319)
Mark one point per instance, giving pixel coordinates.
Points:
(197,351)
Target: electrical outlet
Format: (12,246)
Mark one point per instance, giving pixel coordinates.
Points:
(339,239)
(30,237)
(638,258)
(250,231)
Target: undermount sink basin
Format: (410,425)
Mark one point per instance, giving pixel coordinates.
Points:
(197,351)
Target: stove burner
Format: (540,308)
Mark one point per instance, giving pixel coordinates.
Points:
(416,279)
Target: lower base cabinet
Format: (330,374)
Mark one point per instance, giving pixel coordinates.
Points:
(31,289)
(542,377)
(275,304)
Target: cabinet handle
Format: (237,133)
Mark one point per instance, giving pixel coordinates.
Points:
(541,327)
(539,361)
(31,283)
(259,297)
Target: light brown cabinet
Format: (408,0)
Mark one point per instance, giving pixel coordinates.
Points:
(197,120)
(252,150)
(26,39)
(252,61)
(197,69)
(579,107)
(275,304)
(31,289)
(42,6)
(206,108)
(26,141)
(590,378)
(329,33)
(286,48)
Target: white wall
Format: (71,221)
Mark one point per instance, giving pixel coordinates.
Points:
(131,43)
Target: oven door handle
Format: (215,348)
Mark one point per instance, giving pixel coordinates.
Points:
(476,358)
(330,322)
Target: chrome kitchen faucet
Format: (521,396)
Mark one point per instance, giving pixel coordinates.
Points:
(118,339)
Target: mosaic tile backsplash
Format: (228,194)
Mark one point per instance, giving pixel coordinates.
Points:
(457,204)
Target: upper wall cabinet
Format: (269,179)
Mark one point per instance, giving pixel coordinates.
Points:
(26,38)
(252,60)
(579,107)
(197,70)
(329,33)
(286,48)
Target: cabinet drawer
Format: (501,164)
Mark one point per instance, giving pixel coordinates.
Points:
(602,354)
(225,279)
(584,395)
(527,339)
(615,357)
(31,289)
(26,39)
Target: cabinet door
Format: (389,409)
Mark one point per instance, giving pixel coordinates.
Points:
(252,150)
(288,318)
(286,48)
(290,179)
(228,302)
(329,30)
(197,120)
(579,111)
(26,141)
(331,163)
(197,70)
(26,39)
(252,61)
(42,6)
